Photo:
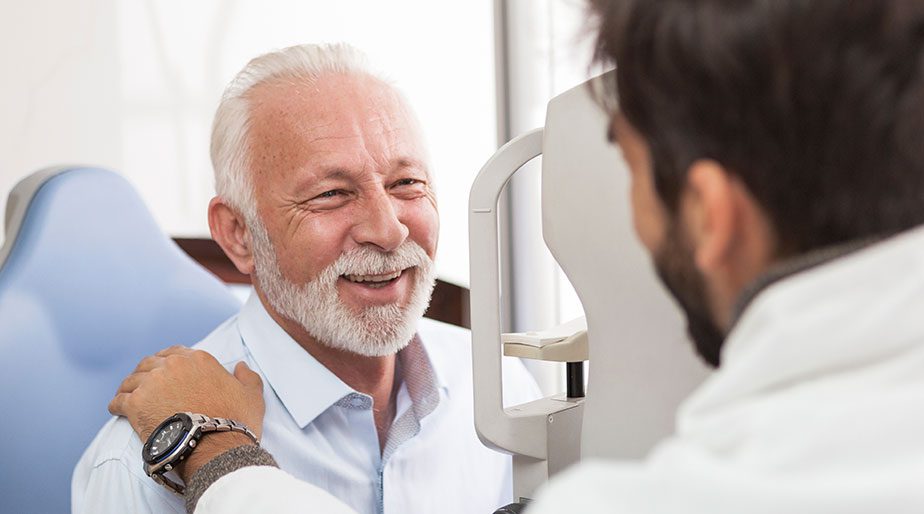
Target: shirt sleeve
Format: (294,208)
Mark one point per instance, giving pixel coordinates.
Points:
(110,478)
(267,489)
(110,488)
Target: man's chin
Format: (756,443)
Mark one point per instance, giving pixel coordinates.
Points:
(375,332)
(373,320)
(372,350)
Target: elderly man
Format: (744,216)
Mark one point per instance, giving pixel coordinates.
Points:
(777,165)
(325,198)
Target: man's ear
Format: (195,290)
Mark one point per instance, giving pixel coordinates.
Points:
(229,230)
(712,213)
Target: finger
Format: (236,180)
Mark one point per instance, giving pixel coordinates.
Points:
(204,360)
(117,404)
(132,382)
(176,349)
(247,377)
(148,363)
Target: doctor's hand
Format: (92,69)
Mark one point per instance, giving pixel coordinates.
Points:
(180,379)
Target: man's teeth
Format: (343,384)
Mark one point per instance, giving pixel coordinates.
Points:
(373,278)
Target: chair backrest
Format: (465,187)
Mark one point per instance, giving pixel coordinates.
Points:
(88,285)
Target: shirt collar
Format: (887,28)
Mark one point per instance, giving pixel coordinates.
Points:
(794,266)
(427,354)
(415,369)
(305,386)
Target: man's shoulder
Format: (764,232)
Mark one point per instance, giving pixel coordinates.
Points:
(224,343)
(115,441)
(111,473)
(110,476)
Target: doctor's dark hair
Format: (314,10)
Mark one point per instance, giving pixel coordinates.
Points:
(816,105)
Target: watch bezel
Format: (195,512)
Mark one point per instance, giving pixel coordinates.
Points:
(178,448)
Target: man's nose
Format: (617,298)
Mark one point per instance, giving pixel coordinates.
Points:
(380,224)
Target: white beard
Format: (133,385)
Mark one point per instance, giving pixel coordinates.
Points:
(374,331)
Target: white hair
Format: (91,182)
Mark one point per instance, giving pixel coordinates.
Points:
(230,129)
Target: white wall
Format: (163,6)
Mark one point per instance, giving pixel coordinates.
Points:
(60,88)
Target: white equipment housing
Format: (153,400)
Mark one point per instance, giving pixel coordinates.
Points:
(640,370)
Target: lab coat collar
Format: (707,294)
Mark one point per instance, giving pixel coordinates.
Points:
(853,311)
(796,265)
(305,386)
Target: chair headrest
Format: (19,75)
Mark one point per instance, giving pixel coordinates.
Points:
(87,248)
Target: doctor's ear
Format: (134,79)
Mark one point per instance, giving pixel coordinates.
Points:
(229,230)
(711,208)
(728,227)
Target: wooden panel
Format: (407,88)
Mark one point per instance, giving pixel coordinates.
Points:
(207,253)
(448,304)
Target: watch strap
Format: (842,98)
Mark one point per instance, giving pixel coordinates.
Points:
(208,424)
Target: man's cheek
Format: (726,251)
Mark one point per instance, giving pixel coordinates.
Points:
(423,224)
(302,264)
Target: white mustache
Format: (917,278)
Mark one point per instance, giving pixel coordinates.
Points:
(367,261)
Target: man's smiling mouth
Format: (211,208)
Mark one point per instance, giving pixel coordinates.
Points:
(375,281)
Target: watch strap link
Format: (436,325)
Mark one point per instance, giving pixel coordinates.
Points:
(208,424)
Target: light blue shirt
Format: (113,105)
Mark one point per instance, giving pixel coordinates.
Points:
(322,431)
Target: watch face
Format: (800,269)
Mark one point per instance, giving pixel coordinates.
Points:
(165,439)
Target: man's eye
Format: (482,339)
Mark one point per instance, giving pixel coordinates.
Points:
(407,182)
(330,194)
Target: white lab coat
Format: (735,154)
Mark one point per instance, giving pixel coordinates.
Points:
(818,408)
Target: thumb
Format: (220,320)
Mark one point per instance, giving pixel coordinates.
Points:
(247,377)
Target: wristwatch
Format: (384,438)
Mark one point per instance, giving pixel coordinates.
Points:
(174,439)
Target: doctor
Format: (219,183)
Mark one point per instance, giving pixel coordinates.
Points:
(776,151)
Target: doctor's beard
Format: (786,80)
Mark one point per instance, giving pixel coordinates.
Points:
(674,263)
(374,331)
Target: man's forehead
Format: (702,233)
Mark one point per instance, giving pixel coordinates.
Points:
(320,111)
(327,89)
(337,170)
(297,125)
